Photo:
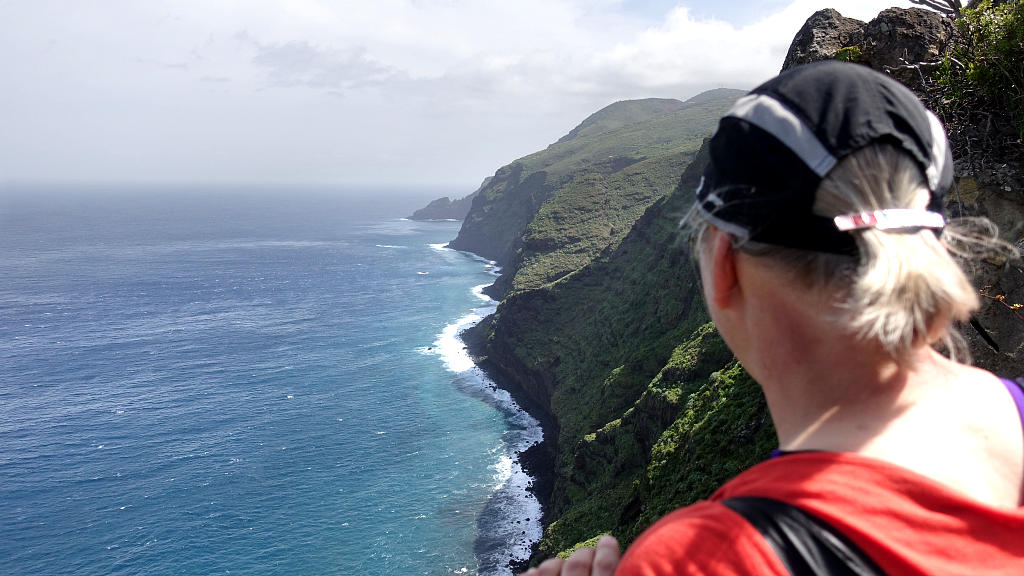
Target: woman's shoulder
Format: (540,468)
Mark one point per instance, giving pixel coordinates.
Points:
(705,538)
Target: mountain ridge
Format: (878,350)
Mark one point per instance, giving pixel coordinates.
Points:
(604,145)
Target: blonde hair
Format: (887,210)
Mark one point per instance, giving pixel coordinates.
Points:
(905,287)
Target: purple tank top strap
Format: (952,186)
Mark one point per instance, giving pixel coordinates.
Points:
(1016,389)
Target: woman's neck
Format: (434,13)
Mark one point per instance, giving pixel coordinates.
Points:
(841,399)
(825,387)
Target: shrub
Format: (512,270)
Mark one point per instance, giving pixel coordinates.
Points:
(979,87)
(848,54)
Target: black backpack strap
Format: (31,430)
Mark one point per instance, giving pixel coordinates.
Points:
(805,545)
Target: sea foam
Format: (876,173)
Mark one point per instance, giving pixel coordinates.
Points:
(510,523)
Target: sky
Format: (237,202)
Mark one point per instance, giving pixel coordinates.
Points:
(352,93)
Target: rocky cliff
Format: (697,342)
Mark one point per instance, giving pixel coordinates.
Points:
(447,209)
(602,331)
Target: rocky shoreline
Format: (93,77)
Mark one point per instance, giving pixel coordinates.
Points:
(538,461)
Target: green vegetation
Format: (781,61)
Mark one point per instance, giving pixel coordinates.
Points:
(724,429)
(592,212)
(602,321)
(620,114)
(980,84)
(849,54)
(588,187)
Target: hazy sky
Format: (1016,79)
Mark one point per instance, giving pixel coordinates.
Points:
(436,93)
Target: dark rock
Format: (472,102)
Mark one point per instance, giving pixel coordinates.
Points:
(894,39)
(822,35)
(995,193)
(898,37)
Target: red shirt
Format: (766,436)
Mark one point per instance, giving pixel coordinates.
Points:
(907,523)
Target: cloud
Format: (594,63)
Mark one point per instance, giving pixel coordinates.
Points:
(685,52)
(431,91)
(538,50)
(302,64)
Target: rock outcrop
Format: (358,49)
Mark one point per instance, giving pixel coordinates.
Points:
(891,42)
(901,36)
(445,209)
(824,34)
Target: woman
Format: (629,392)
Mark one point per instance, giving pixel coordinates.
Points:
(826,267)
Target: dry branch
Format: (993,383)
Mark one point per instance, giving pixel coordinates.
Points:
(947,7)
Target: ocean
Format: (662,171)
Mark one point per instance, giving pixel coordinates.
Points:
(248,381)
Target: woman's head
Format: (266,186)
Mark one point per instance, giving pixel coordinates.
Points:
(838,174)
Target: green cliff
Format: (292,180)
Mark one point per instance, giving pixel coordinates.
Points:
(551,212)
(621,354)
(447,209)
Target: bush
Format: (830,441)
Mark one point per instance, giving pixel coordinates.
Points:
(980,84)
(848,54)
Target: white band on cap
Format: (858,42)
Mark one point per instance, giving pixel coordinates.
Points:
(775,118)
(939,151)
(891,219)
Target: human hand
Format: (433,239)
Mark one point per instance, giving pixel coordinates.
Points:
(599,561)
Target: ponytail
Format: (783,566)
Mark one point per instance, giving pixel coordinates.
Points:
(906,288)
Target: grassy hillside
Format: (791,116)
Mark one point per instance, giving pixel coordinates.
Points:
(622,114)
(591,212)
(588,186)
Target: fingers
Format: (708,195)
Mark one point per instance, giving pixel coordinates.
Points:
(579,563)
(606,556)
(599,561)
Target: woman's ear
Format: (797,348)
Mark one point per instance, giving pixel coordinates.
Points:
(724,280)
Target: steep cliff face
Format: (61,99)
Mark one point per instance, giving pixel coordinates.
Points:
(501,211)
(602,326)
(617,352)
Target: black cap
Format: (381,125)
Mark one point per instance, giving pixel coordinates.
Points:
(775,145)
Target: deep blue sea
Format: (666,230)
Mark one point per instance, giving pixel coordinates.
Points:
(248,382)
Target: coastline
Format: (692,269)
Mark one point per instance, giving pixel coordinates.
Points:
(510,527)
(537,461)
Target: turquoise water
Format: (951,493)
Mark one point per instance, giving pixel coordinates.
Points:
(248,382)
